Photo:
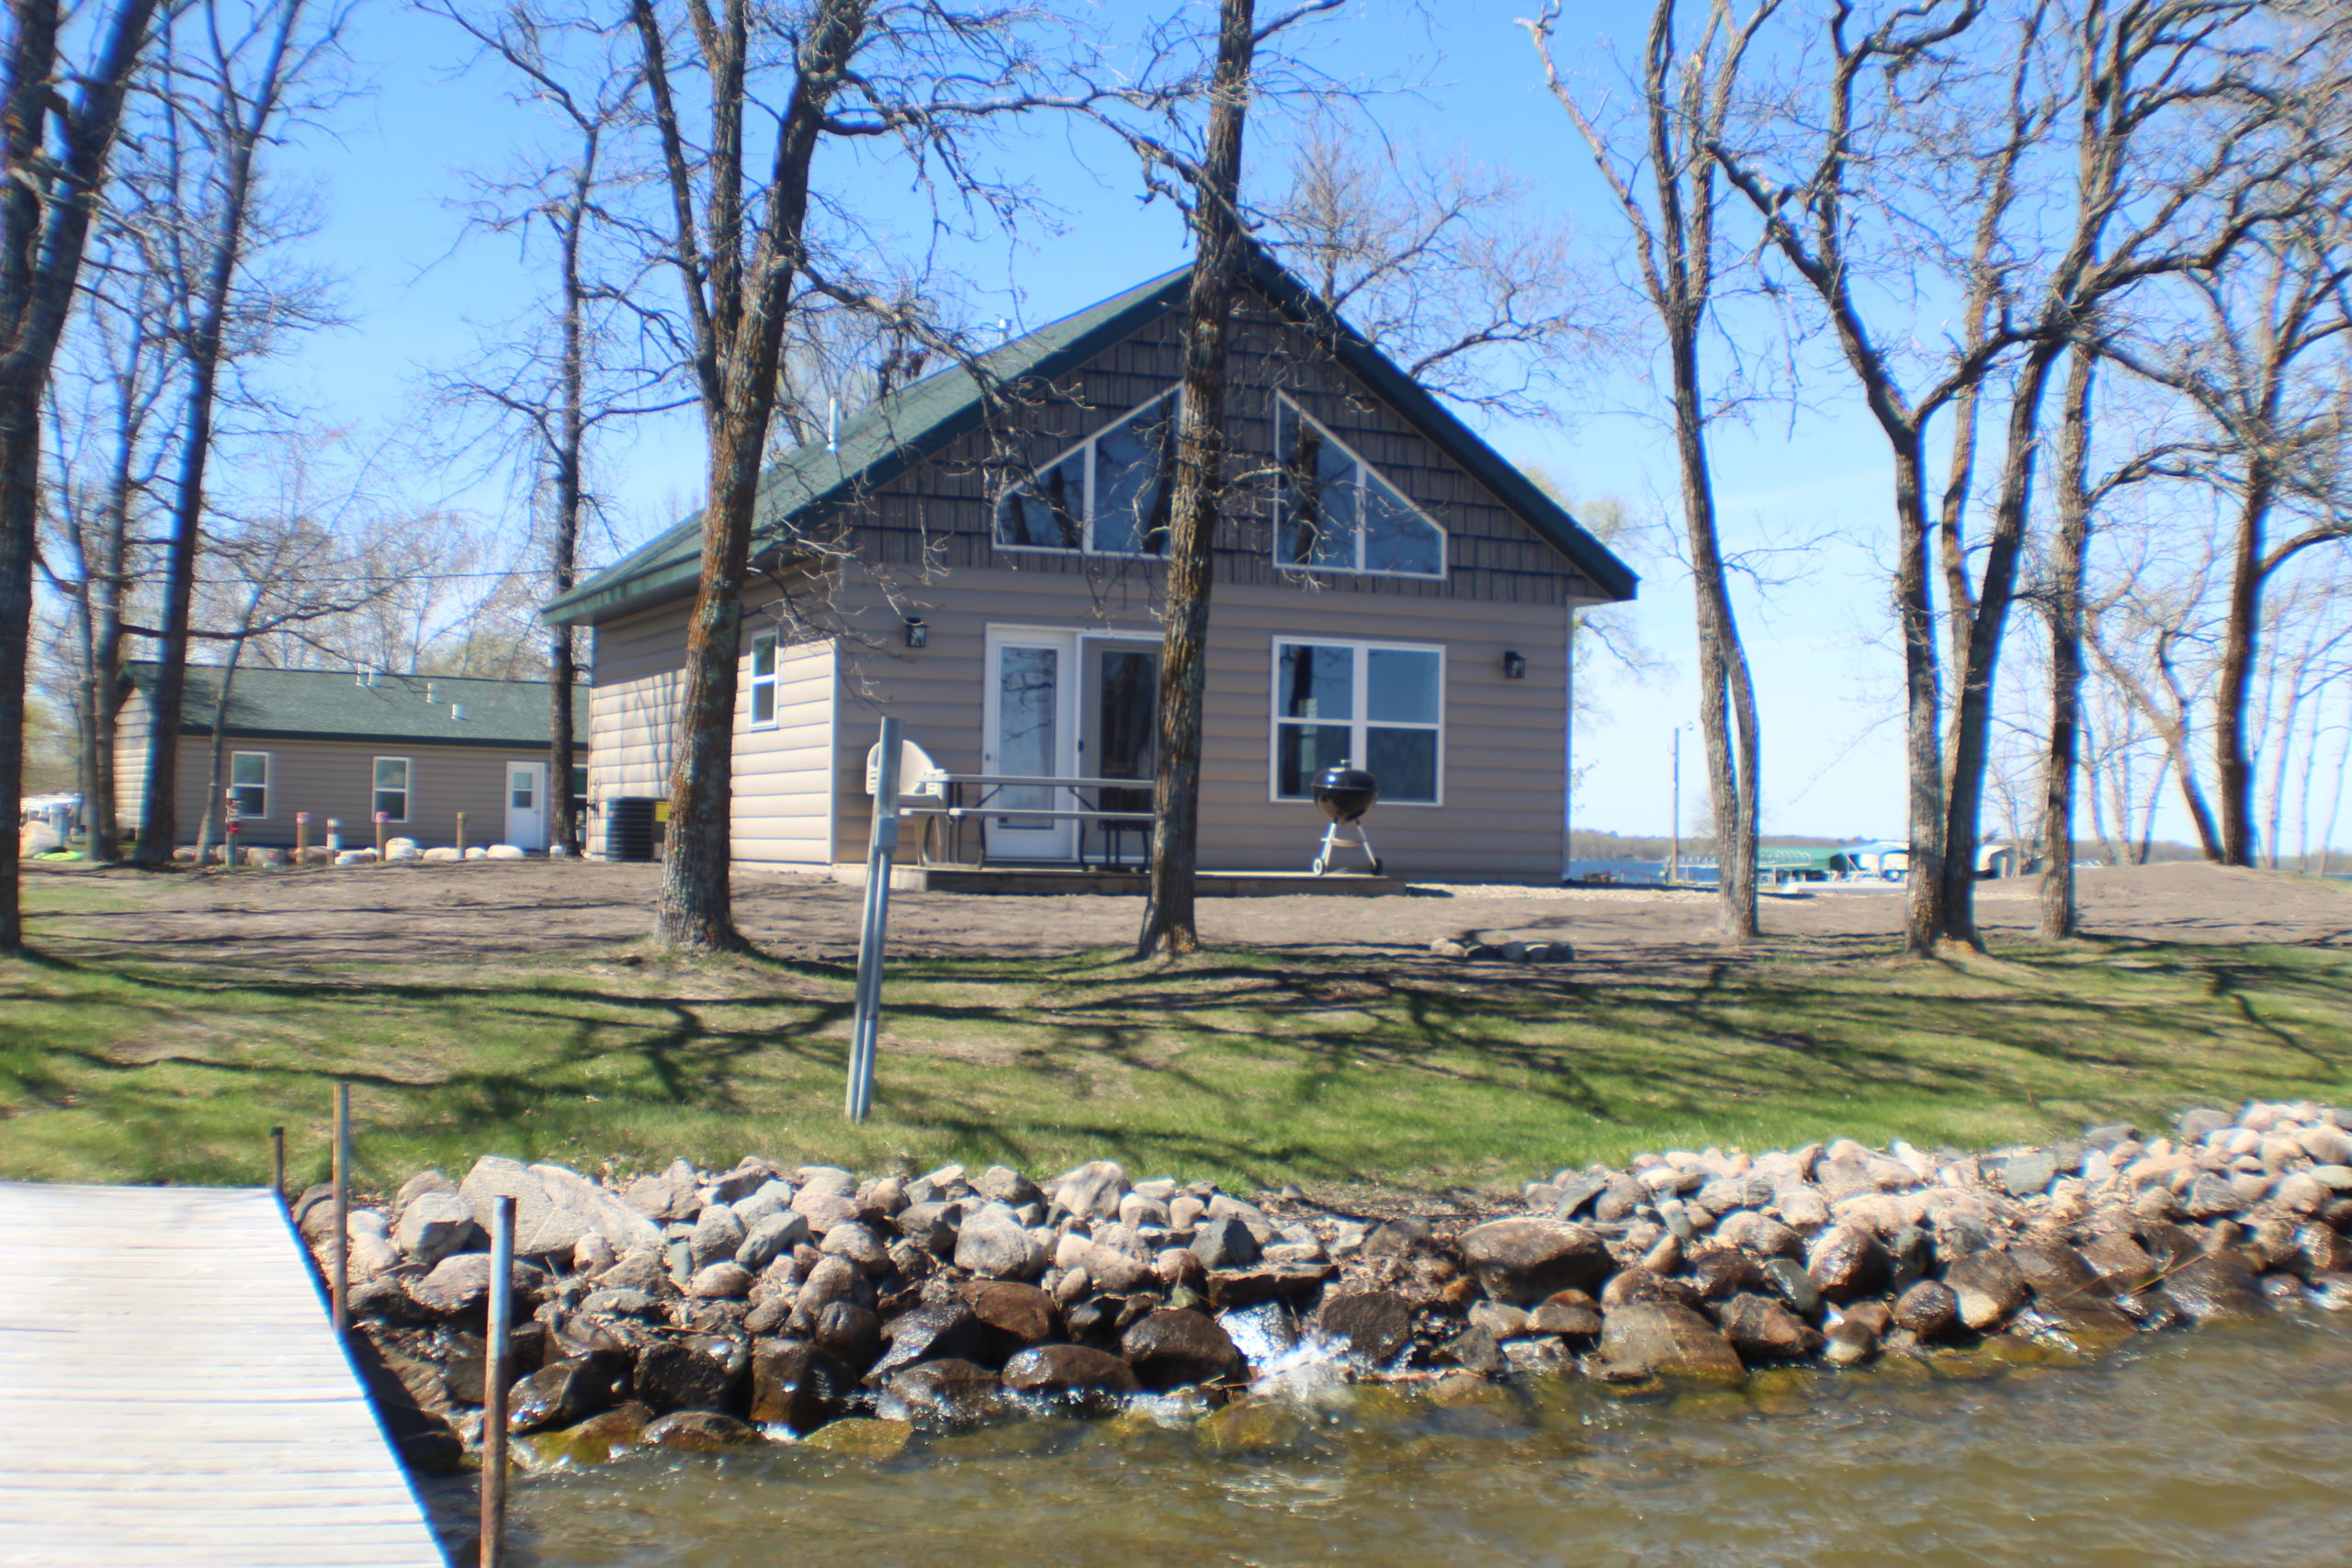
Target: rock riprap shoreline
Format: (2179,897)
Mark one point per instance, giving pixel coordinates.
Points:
(698,1310)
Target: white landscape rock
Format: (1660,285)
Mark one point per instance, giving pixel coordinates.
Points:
(504,852)
(356,857)
(476,852)
(442,852)
(554,1207)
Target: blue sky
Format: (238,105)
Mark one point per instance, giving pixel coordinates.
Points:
(1826,673)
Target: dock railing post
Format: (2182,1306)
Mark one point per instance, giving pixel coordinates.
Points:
(880,850)
(494,1384)
(342,1248)
(277,1164)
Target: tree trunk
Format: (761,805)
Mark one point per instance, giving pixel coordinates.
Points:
(1218,252)
(1726,693)
(215,817)
(2061,766)
(570,442)
(1986,623)
(740,311)
(46,204)
(2233,757)
(1923,701)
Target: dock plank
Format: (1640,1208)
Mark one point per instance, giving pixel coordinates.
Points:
(172,1393)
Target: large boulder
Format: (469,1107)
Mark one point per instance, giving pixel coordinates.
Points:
(1522,1260)
(2216,1285)
(1224,1243)
(718,1235)
(1093,1189)
(928,1334)
(1369,1325)
(1761,1329)
(554,1207)
(460,1285)
(948,1393)
(1012,1317)
(1987,1287)
(993,1245)
(1174,1347)
(770,1238)
(672,1376)
(565,1391)
(1847,1262)
(1667,1339)
(696,1430)
(795,1385)
(1083,1380)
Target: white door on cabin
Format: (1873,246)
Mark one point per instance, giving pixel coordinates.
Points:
(526,806)
(1030,731)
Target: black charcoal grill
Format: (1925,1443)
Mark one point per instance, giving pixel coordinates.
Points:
(1343,794)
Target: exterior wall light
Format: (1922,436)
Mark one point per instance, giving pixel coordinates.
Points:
(1514,666)
(918,633)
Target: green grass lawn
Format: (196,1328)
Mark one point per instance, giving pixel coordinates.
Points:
(1240,1066)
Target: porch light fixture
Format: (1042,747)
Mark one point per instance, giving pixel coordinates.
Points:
(918,633)
(1514,666)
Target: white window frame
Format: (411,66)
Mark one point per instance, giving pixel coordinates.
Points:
(268,766)
(407,789)
(1367,474)
(1087,545)
(755,683)
(1357,722)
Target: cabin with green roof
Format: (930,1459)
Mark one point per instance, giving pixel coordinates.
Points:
(342,745)
(983,556)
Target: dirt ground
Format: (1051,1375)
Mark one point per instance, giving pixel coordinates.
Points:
(484,910)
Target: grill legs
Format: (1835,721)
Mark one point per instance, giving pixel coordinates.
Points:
(1331,843)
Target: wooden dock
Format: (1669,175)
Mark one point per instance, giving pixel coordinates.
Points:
(172,1393)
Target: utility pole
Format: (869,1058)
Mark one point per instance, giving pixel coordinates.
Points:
(1674,855)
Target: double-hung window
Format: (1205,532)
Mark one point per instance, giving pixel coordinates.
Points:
(1334,513)
(1375,706)
(763,681)
(392,788)
(1107,496)
(249,783)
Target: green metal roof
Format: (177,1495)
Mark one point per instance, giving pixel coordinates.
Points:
(918,420)
(334,704)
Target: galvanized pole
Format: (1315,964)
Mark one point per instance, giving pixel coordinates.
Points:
(277,1164)
(341,1249)
(865,1018)
(494,1384)
(1674,856)
(461,835)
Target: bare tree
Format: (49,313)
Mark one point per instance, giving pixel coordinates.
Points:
(557,383)
(226,91)
(106,410)
(1669,194)
(1446,266)
(57,140)
(739,242)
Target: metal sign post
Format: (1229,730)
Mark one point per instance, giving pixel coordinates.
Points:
(495,1376)
(866,1020)
(341,1279)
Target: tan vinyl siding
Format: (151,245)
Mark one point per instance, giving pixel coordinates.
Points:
(782,810)
(132,724)
(1504,741)
(336,779)
(780,813)
(639,664)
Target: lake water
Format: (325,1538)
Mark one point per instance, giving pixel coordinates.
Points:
(2223,1446)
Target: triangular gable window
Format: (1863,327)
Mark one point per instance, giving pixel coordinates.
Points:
(1108,495)
(1333,512)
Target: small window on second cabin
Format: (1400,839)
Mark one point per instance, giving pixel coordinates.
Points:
(1107,496)
(249,783)
(392,788)
(763,681)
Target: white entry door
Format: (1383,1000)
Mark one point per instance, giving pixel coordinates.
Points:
(1031,731)
(526,806)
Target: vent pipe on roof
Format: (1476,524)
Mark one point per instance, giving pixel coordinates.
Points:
(428,692)
(458,712)
(832,424)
